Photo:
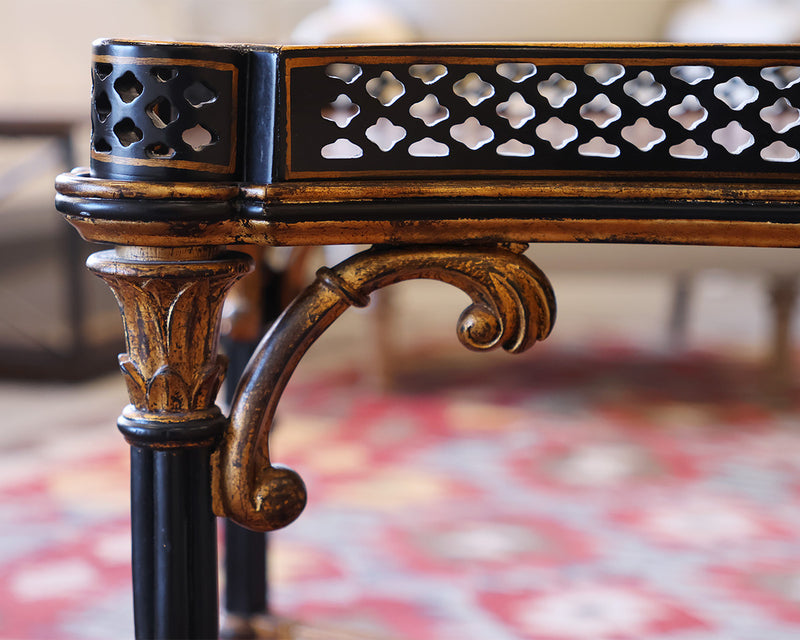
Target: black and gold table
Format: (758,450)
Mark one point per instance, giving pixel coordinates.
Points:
(449,159)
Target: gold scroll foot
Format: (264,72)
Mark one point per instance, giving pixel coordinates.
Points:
(512,307)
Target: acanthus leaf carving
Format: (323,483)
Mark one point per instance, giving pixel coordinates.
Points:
(166,391)
(171,312)
(134,380)
(208,382)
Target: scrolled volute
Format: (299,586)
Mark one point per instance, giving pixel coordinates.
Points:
(512,307)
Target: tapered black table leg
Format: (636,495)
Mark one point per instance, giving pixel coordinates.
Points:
(142,536)
(171,303)
(173,537)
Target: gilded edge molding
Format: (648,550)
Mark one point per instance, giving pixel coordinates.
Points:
(512,307)
(171,314)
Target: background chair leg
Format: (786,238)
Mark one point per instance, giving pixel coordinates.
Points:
(246,584)
(679,313)
(246,596)
(253,304)
(783,295)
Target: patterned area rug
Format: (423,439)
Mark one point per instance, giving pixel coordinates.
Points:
(607,495)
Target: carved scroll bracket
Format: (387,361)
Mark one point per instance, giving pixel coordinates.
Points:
(171,301)
(513,306)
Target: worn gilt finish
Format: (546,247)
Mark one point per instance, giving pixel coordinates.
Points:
(171,313)
(512,307)
(451,157)
(346,212)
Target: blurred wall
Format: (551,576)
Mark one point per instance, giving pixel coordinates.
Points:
(45,44)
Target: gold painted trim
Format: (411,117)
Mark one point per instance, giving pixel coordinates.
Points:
(184,62)
(563,44)
(318,61)
(353,191)
(398,231)
(191,165)
(82,185)
(533,174)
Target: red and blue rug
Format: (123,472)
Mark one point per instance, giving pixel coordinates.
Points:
(614,494)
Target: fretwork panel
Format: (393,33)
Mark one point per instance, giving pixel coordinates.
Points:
(436,115)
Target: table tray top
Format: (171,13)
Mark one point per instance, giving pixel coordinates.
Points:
(587,131)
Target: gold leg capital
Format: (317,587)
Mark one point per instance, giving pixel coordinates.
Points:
(171,303)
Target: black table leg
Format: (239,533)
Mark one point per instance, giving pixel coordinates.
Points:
(171,302)
(174,541)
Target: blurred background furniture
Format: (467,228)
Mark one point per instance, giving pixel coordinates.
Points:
(55,322)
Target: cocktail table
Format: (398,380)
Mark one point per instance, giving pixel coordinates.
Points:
(449,159)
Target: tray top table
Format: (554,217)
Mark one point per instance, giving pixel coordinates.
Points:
(449,158)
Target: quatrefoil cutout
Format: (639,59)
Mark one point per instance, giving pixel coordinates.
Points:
(471,133)
(428,148)
(688,150)
(734,137)
(163,74)
(342,149)
(429,110)
(515,149)
(557,132)
(159,151)
(781,116)
(198,137)
(473,89)
(779,151)
(128,87)
(161,112)
(386,89)
(344,71)
(516,110)
(557,90)
(102,105)
(428,73)
(101,145)
(692,74)
(642,135)
(341,111)
(604,72)
(689,113)
(599,148)
(199,95)
(516,71)
(782,77)
(103,70)
(736,93)
(601,111)
(385,134)
(645,89)
(127,132)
